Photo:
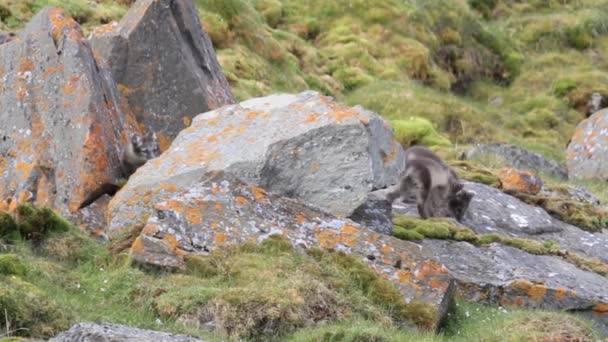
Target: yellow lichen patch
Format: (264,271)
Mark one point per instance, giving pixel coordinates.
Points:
(150,229)
(386,249)
(171,241)
(561,293)
(300,219)
(168,186)
(26,65)
(436,284)
(193,215)
(240,200)
(349,236)
(214,225)
(220,238)
(137,245)
(216,190)
(342,114)
(601,307)
(212,138)
(314,167)
(518,180)
(252,115)
(534,291)
(60,21)
(327,239)
(218,207)
(26,168)
(259,194)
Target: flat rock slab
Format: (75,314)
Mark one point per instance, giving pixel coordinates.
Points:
(220,211)
(507,276)
(59,120)
(493,211)
(107,332)
(304,146)
(587,153)
(164,64)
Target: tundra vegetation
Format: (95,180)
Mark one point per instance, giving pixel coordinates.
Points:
(445,73)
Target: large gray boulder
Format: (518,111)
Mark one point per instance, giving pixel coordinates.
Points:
(60,123)
(219,211)
(518,158)
(164,64)
(587,153)
(108,332)
(305,146)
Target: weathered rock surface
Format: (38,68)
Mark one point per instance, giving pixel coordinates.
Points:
(6,37)
(375,214)
(518,180)
(571,193)
(107,332)
(220,210)
(518,158)
(60,124)
(493,211)
(304,146)
(507,276)
(164,64)
(587,153)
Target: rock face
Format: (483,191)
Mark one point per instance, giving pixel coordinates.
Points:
(164,64)
(6,37)
(507,276)
(587,155)
(60,124)
(220,210)
(106,332)
(304,146)
(518,158)
(518,180)
(375,213)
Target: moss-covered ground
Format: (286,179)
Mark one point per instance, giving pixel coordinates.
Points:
(252,292)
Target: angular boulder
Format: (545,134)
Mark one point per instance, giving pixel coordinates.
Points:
(304,146)
(518,158)
(105,332)
(164,65)
(519,180)
(220,210)
(587,153)
(507,276)
(60,123)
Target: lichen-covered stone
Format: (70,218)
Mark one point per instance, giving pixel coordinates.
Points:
(519,180)
(518,158)
(220,210)
(164,64)
(304,146)
(105,332)
(60,123)
(507,276)
(587,153)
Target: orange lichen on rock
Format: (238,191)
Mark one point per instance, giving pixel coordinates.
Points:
(349,236)
(392,155)
(240,200)
(518,180)
(259,194)
(193,215)
(137,245)
(52,70)
(60,21)
(220,238)
(405,277)
(430,269)
(97,171)
(311,118)
(150,229)
(171,241)
(600,307)
(534,291)
(327,239)
(561,293)
(300,219)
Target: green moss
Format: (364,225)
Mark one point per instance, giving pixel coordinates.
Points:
(406,234)
(28,310)
(417,131)
(10,264)
(8,226)
(471,172)
(34,223)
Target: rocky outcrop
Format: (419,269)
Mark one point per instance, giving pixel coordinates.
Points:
(219,210)
(60,124)
(164,64)
(518,180)
(106,332)
(507,276)
(587,156)
(518,158)
(304,146)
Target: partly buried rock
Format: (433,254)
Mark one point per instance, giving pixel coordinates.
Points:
(375,213)
(518,180)
(517,158)
(220,210)
(105,332)
(587,154)
(305,146)
(164,64)
(507,276)
(59,123)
